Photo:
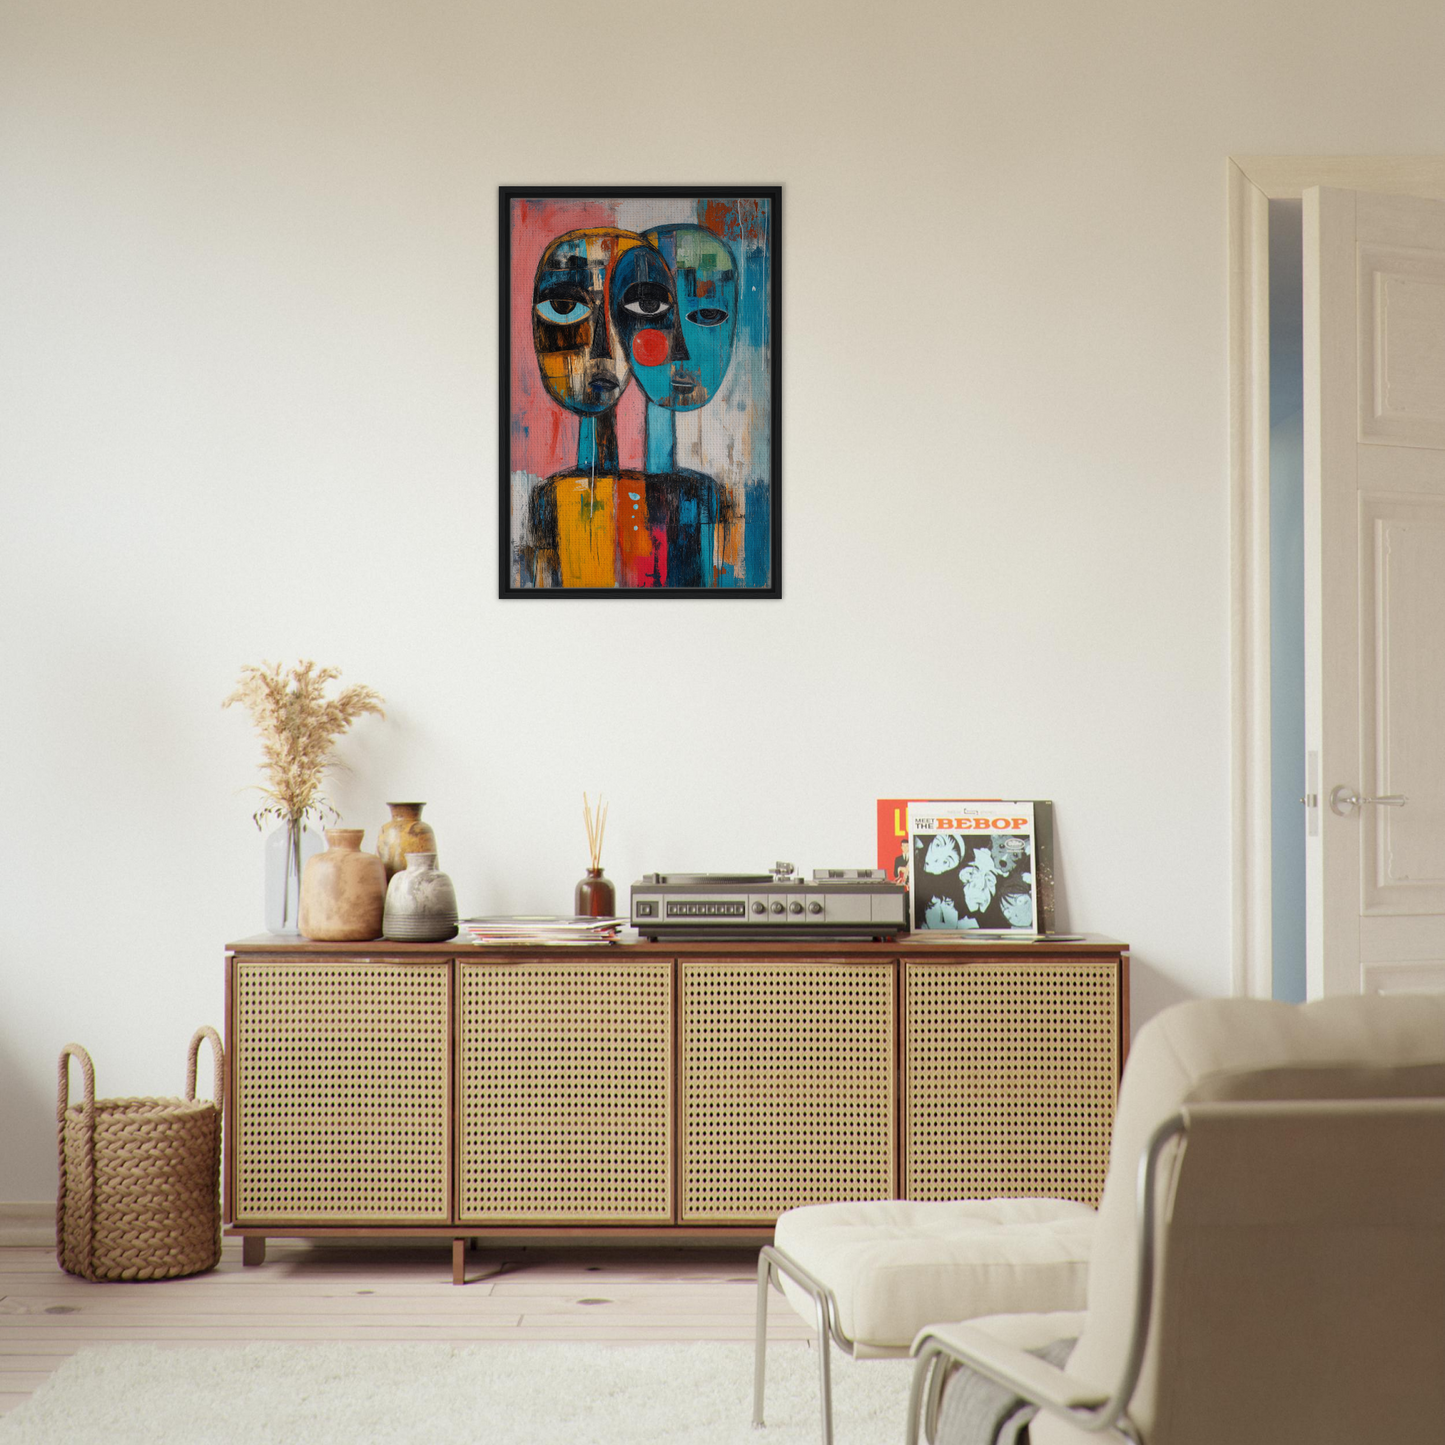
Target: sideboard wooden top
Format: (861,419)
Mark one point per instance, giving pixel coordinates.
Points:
(906,945)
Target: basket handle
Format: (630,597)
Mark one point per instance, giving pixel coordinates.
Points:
(84,1186)
(218,1055)
(87,1070)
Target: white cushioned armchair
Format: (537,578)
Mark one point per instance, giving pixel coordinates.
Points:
(869,1275)
(1285,1284)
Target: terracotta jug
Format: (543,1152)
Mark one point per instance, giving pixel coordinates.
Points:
(403,833)
(343,890)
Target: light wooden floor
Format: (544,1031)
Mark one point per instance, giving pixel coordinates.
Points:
(381,1292)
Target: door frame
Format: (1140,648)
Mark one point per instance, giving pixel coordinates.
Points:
(1254,181)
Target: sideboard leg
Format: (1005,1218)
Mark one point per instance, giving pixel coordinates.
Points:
(253,1249)
(459,1261)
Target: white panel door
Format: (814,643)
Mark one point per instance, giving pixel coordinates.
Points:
(1374,277)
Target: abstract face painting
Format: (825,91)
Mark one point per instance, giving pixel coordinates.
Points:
(644,315)
(581,365)
(640,438)
(706,281)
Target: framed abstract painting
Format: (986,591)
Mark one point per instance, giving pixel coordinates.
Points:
(640,392)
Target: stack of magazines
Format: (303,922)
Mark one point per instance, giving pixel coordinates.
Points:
(528,929)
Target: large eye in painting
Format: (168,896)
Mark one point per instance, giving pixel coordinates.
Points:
(563,310)
(647,298)
(707,316)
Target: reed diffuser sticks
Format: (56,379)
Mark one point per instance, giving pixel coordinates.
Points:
(596,826)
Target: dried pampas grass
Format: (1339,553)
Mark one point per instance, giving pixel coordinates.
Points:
(298,724)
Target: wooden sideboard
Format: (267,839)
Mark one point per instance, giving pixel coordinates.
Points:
(657,1091)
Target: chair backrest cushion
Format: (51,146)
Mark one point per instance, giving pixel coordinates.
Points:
(1300,1295)
(1218,1050)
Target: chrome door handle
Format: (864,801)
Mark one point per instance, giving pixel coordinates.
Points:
(1344,800)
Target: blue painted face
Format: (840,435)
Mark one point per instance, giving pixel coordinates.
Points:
(706,275)
(674,303)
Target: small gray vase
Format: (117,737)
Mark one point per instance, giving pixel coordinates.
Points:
(421,904)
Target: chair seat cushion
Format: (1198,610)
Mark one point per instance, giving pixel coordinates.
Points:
(897,1265)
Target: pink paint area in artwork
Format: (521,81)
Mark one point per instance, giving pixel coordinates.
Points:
(544,435)
(630,411)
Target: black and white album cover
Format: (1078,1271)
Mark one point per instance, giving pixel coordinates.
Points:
(974,867)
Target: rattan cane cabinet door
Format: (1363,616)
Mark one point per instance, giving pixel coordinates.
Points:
(566,1092)
(342,1107)
(787,1086)
(1010,1078)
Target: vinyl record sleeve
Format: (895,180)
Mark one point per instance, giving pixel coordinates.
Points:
(895,858)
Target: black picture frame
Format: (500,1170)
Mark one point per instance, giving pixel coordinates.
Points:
(515,498)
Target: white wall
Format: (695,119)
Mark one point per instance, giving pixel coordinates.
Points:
(248,290)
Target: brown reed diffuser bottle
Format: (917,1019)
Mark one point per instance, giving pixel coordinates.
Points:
(595,896)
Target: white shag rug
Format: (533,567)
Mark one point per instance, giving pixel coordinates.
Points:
(478,1394)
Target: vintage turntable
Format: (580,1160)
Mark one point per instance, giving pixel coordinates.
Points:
(834,903)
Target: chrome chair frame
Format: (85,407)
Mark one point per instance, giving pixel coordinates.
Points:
(937,1358)
(771,1264)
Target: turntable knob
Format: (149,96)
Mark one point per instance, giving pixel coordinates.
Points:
(777,908)
(815,907)
(795,907)
(759,906)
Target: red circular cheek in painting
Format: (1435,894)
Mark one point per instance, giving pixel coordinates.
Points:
(649,348)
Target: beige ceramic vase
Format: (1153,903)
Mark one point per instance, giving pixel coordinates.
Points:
(343,890)
(404,833)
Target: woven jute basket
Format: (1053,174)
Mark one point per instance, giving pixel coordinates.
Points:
(139,1178)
